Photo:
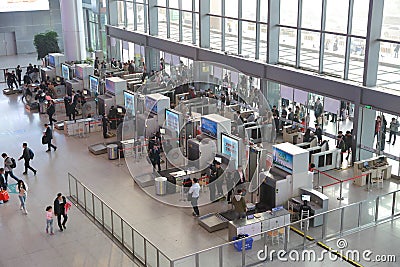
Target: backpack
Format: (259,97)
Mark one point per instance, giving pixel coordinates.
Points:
(14,163)
(31,154)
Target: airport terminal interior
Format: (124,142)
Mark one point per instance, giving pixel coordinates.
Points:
(200,132)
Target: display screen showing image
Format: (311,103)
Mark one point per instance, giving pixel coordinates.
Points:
(230,147)
(110,87)
(129,100)
(94,84)
(282,160)
(65,72)
(172,120)
(79,73)
(151,105)
(23,5)
(209,127)
(52,61)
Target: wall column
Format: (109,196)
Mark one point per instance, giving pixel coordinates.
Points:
(73,30)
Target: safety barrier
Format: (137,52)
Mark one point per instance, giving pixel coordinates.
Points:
(133,243)
(337,223)
(337,181)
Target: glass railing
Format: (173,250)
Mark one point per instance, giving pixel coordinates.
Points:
(337,223)
(134,244)
(290,237)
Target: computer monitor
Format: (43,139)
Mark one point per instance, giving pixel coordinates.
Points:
(218,159)
(162,131)
(366,164)
(306,198)
(119,110)
(58,79)
(85,92)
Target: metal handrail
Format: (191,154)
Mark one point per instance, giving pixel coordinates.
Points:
(146,240)
(196,254)
(287,225)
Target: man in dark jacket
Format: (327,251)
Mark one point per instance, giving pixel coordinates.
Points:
(59,210)
(348,140)
(50,112)
(318,133)
(219,180)
(48,135)
(155,157)
(27,156)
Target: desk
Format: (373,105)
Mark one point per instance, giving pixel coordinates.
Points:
(265,221)
(318,204)
(377,166)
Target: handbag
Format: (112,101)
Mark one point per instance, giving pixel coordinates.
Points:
(44,140)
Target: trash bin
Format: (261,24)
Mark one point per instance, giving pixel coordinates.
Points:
(112,151)
(161,185)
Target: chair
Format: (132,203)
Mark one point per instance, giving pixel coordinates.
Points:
(378,179)
(273,236)
(294,215)
(304,223)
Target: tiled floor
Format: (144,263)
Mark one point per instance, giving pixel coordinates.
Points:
(173,230)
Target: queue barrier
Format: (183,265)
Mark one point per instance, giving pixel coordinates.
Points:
(337,181)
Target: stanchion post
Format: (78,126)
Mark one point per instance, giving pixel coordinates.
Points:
(341,191)
(119,157)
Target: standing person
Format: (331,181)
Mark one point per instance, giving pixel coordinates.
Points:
(73,101)
(3,183)
(27,155)
(22,194)
(239,205)
(396,51)
(341,145)
(195,191)
(394,129)
(9,165)
(378,125)
(59,210)
(27,79)
(317,109)
(49,220)
(48,136)
(96,63)
(219,180)
(348,140)
(50,112)
(318,133)
(18,72)
(105,122)
(155,157)
(211,184)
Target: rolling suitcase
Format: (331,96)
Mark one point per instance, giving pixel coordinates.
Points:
(8,91)
(4,196)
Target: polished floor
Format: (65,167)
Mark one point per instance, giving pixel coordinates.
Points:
(173,230)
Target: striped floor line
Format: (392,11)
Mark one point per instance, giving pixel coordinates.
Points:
(326,247)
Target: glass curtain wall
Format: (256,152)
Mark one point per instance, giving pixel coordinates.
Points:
(324,36)
(179,20)
(379,136)
(239,27)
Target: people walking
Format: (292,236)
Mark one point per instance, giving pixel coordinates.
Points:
(22,194)
(195,192)
(50,111)
(394,129)
(49,220)
(48,136)
(27,155)
(348,140)
(9,165)
(59,210)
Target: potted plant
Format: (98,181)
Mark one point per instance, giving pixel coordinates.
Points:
(46,43)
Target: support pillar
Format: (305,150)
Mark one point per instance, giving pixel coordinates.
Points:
(73,30)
